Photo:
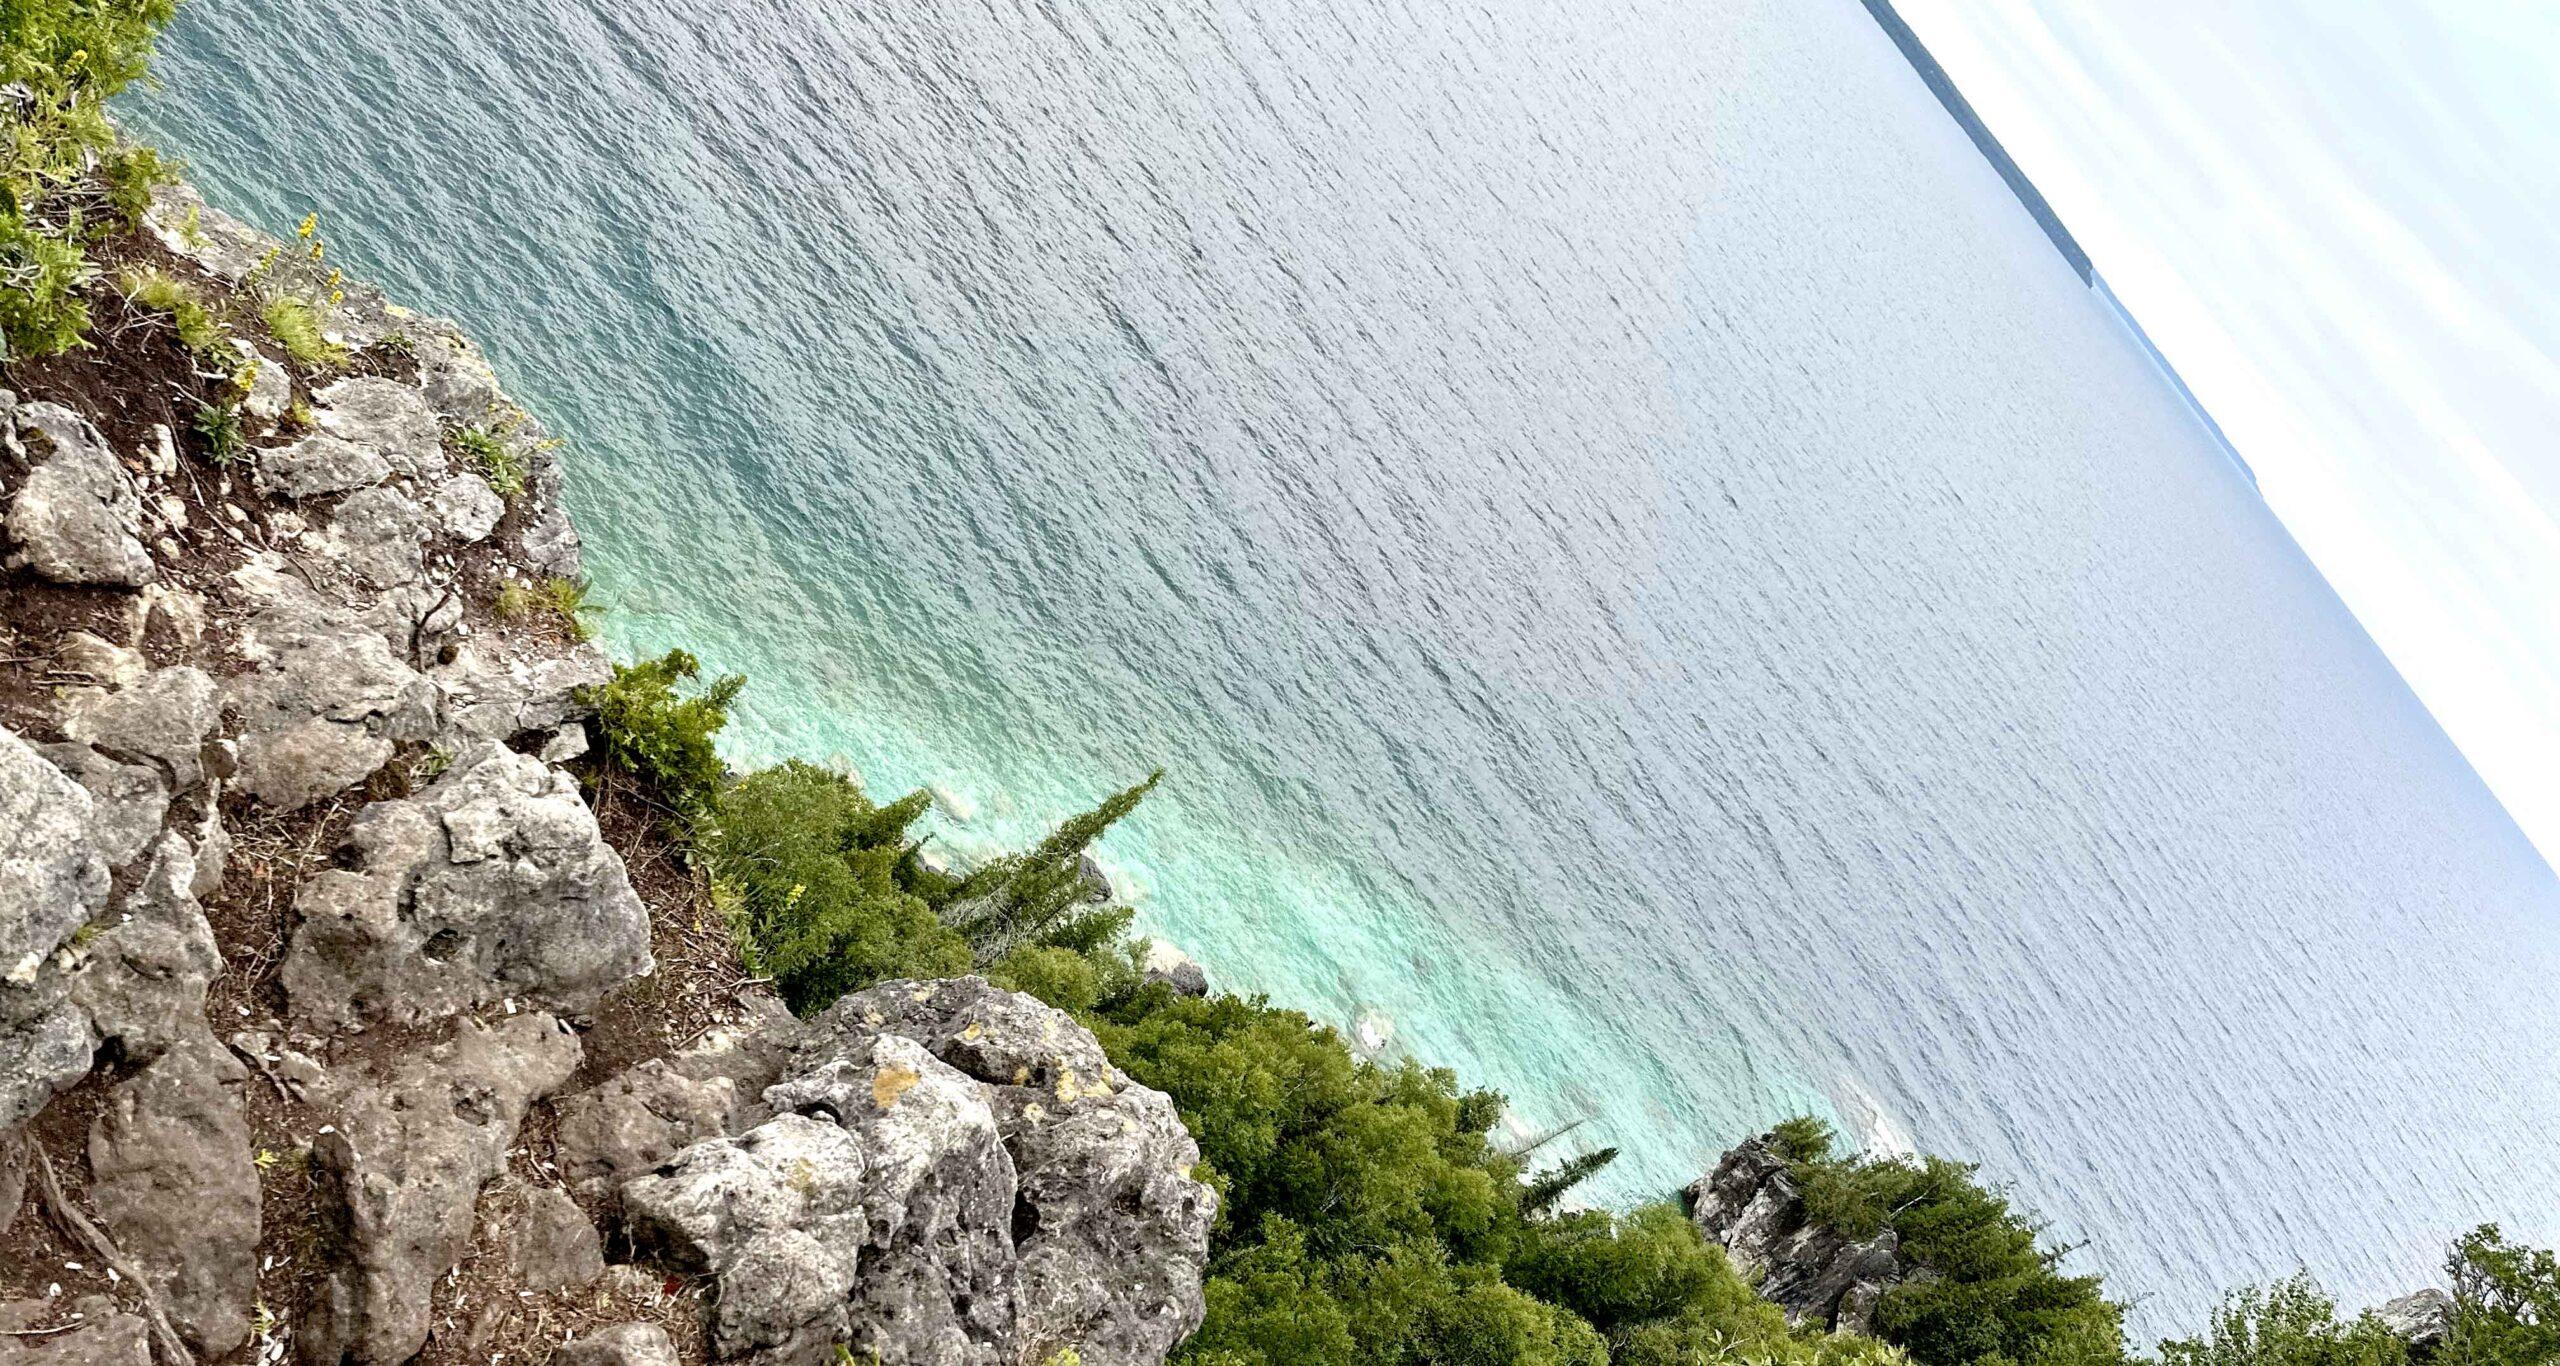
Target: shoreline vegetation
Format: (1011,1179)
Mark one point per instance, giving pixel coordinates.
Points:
(1366,1212)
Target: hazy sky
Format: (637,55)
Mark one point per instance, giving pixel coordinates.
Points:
(2341,220)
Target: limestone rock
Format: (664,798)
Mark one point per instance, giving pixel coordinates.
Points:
(1019,1195)
(320,464)
(164,717)
(173,1180)
(551,545)
(78,516)
(624,1344)
(940,1271)
(388,417)
(327,701)
(403,1169)
(270,384)
(143,979)
(649,1113)
(491,697)
(2424,1319)
(554,1246)
(131,800)
(467,508)
(493,883)
(776,1214)
(106,1337)
(52,881)
(379,535)
(1750,1206)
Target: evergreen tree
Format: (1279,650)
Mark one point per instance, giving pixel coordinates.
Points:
(1550,1187)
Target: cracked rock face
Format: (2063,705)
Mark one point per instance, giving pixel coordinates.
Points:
(327,701)
(467,508)
(1005,1193)
(386,417)
(142,980)
(1750,1206)
(163,717)
(404,1167)
(492,884)
(78,517)
(51,882)
(175,1186)
(380,536)
(320,464)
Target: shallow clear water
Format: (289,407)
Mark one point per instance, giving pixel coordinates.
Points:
(1650,577)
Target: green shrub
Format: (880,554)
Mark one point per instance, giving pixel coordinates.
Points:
(60,171)
(297,328)
(225,440)
(562,602)
(1039,897)
(41,275)
(130,175)
(648,728)
(815,867)
(2506,1302)
(1996,1296)
(2290,1323)
(488,454)
(157,291)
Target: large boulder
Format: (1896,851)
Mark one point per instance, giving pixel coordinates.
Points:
(379,535)
(1018,1196)
(131,800)
(327,701)
(493,884)
(1110,1228)
(401,1171)
(175,1185)
(1751,1207)
(52,881)
(78,517)
(2424,1320)
(320,464)
(776,1213)
(104,1337)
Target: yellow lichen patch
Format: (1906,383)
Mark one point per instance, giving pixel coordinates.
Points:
(974,1032)
(874,1018)
(923,994)
(891,1082)
(1022,1076)
(1066,1084)
(1035,1112)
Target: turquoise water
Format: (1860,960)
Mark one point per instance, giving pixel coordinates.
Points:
(1653,583)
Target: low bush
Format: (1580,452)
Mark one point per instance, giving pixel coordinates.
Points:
(157,291)
(297,328)
(649,727)
(2289,1323)
(1995,1296)
(493,460)
(561,602)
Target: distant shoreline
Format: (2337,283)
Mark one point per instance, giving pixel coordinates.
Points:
(1944,87)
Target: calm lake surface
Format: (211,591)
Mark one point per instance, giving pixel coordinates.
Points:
(1654,584)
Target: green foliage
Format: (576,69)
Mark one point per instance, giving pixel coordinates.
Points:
(815,867)
(649,728)
(1550,1188)
(296,326)
(1039,897)
(1803,1139)
(2289,1323)
(60,171)
(1997,1297)
(2506,1302)
(157,291)
(225,440)
(41,275)
(562,602)
(130,175)
(489,454)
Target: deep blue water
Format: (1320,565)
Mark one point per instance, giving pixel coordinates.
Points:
(1654,583)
